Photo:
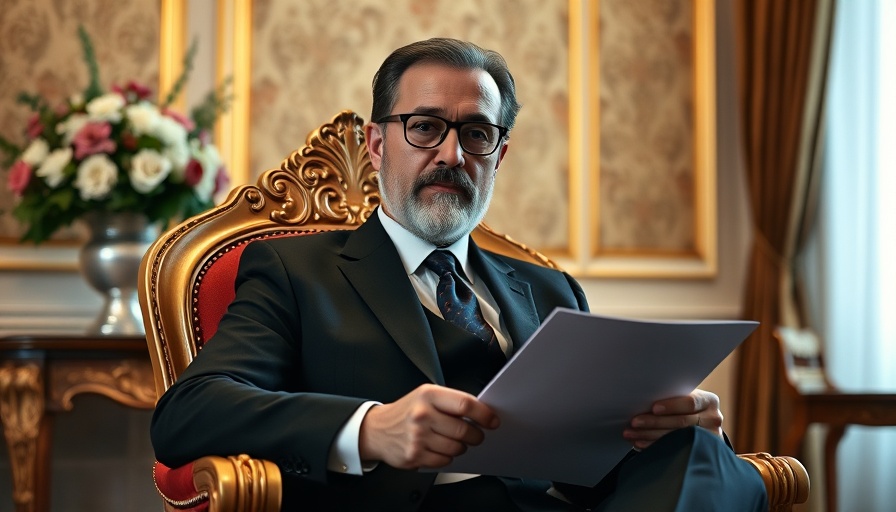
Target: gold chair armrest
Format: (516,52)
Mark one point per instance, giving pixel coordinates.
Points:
(786,479)
(243,484)
(239,483)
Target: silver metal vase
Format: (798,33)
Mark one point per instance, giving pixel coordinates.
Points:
(110,261)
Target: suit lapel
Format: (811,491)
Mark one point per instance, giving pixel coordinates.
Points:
(373,267)
(514,297)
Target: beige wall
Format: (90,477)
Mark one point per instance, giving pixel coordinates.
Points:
(60,301)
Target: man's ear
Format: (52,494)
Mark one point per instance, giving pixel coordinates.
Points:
(501,153)
(373,136)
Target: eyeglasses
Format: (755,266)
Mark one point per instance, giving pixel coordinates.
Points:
(426,131)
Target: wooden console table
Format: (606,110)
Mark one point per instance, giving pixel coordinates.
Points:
(39,375)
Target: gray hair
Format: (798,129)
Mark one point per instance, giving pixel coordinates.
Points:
(451,52)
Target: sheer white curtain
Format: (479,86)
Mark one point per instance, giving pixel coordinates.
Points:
(851,262)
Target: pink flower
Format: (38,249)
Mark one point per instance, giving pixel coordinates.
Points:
(93,138)
(35,127)
(19,177)
(133,91)
(193,172)
(222,180)
(183,120)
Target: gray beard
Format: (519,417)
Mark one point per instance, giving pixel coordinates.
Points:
(449,218)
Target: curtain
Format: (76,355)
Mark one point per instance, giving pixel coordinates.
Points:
(850,263)
(782,60)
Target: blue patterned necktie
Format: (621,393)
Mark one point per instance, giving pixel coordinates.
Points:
(458,303)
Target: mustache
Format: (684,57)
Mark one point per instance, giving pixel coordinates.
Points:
(450,175)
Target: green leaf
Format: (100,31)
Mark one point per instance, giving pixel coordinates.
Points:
(62,198)
(215,103)
(12,151)
(182,78)
(32,100)
(94,89)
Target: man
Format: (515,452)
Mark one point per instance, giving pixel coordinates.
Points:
(341,358)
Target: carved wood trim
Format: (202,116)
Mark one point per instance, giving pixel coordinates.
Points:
(786,479)
(21,410)
(129,382)
(238,482)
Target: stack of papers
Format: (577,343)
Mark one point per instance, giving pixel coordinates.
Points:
(566,396)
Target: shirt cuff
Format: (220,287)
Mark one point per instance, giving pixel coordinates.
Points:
(345,456)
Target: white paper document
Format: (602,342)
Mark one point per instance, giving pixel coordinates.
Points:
(566,396)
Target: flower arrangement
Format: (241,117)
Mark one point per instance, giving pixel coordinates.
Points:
(114,152)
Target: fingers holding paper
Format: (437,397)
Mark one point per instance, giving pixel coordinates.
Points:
(699,408)
(428,427)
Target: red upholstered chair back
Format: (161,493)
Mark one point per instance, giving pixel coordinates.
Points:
(214,289)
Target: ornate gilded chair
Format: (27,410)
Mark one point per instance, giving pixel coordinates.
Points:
(186,283)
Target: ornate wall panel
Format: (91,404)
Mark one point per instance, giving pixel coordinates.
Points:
(641,121)
(40,53)
(654,160)
(311,59)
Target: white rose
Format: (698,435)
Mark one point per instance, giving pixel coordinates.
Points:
(143,117)
(106,108)
(35,153)
(97,175)
(174,136)
(71,126)
(170,131)
(179,154)
(148,169)
(210,159)
(52,168)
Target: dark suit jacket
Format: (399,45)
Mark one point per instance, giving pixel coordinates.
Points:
(319,325)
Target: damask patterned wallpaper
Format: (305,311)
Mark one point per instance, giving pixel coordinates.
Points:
(40,54)
(646,127)
(313,58)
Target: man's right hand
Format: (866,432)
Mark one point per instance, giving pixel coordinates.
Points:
(428,427)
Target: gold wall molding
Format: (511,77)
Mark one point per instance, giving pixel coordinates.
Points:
(653,204)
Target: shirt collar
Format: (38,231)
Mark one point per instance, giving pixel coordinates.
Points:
(413,250)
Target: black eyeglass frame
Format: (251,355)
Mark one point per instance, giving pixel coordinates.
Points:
(457,125)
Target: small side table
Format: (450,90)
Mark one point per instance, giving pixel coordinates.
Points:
(39,376)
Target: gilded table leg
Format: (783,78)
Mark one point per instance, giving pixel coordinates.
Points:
(21,411)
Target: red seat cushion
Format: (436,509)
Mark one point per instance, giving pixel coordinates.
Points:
(176,485)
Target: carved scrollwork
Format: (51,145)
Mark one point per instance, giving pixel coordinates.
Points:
(21,410)
(329,180)
(255,199)
(126,382)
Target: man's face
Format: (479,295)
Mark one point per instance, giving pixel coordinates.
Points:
(440,193)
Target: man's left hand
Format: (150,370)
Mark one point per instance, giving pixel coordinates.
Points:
(700,408)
